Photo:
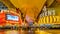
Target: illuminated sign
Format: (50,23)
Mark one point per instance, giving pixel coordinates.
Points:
(50,12)
(11,17)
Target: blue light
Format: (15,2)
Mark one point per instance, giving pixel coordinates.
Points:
(11,17)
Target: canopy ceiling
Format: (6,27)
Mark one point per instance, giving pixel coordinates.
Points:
(29,7)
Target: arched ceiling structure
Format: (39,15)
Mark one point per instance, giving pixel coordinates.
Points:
(29,7)
(49,2)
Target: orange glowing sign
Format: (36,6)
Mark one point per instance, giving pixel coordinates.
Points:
(10,17)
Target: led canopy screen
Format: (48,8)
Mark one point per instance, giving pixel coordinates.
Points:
(12,17)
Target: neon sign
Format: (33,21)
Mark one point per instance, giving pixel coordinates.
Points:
(11,17)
